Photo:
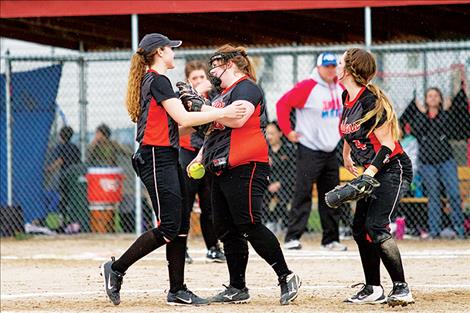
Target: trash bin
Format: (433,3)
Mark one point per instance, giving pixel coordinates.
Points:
(104,195)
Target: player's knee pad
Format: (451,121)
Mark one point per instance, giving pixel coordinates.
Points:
(378,233)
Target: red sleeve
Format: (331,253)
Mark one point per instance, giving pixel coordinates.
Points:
(294,98)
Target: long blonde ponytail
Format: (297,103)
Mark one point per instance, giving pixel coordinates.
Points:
(362,66)
(382,106)
(136,74)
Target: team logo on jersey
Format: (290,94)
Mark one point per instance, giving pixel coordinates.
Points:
(218,104)
(349,128)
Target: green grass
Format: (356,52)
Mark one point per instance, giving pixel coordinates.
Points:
(314,224)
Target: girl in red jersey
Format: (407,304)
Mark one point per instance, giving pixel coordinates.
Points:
(370,130)
(153,105)
(236,154)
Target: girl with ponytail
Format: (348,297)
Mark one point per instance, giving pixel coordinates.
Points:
(154,106)
(236,155)
(370,130)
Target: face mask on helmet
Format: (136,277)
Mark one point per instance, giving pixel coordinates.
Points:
(223,57)
(215,82)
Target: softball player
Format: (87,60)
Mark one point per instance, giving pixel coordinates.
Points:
(196,74)
(370,132)
(236,154)
(153,105)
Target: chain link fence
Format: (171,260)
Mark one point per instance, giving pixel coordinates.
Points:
(67,140)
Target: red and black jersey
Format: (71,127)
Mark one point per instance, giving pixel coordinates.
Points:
(192,142)
(155,127)
(363,146)
(237,146)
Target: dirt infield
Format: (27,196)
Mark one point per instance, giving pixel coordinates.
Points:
(61,275)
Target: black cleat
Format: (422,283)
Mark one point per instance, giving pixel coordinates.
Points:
(400,295)
(112,281)
(231,295)
(215,254)
(368,294)
(185,297)
(290,285)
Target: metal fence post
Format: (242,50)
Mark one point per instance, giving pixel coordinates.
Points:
(295,65)
(425,70)
(367,27)
(138,190)
(82,101)
(8,128)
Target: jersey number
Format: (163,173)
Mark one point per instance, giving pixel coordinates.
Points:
(359,145)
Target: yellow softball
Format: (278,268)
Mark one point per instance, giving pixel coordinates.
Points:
(196,170)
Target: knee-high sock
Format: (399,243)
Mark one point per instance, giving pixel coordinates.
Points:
(146,243)
(236,254)
(236,264)
(391,259)
(175,255)
(370,260)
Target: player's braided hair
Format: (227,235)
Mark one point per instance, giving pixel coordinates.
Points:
(139,63)
(362,66)
(239,56)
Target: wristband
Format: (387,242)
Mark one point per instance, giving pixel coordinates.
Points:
(382,157)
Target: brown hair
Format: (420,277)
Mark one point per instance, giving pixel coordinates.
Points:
(240,59)
(194,65)
(139,63)
(436,90)
(362,66)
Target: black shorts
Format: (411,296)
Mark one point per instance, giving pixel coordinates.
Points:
(237,195)
(162,176)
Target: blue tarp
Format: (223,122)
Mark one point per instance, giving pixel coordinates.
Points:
(33,108)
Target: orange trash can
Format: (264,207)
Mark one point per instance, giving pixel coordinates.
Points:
(104,194)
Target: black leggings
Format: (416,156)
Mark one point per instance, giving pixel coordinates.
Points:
(201,187)
(371,223)
(237,199)
(161,174)
(164,181)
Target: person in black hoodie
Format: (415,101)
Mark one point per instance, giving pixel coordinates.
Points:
(431,125)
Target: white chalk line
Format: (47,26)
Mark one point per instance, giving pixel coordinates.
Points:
(199,255)
(159,291)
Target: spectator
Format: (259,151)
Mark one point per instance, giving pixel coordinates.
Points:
(317,101)
(66,153)
(430,126)
(281,186)
(103,151)
(63,157)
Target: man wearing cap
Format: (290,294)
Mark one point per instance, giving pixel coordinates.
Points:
(317,103)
